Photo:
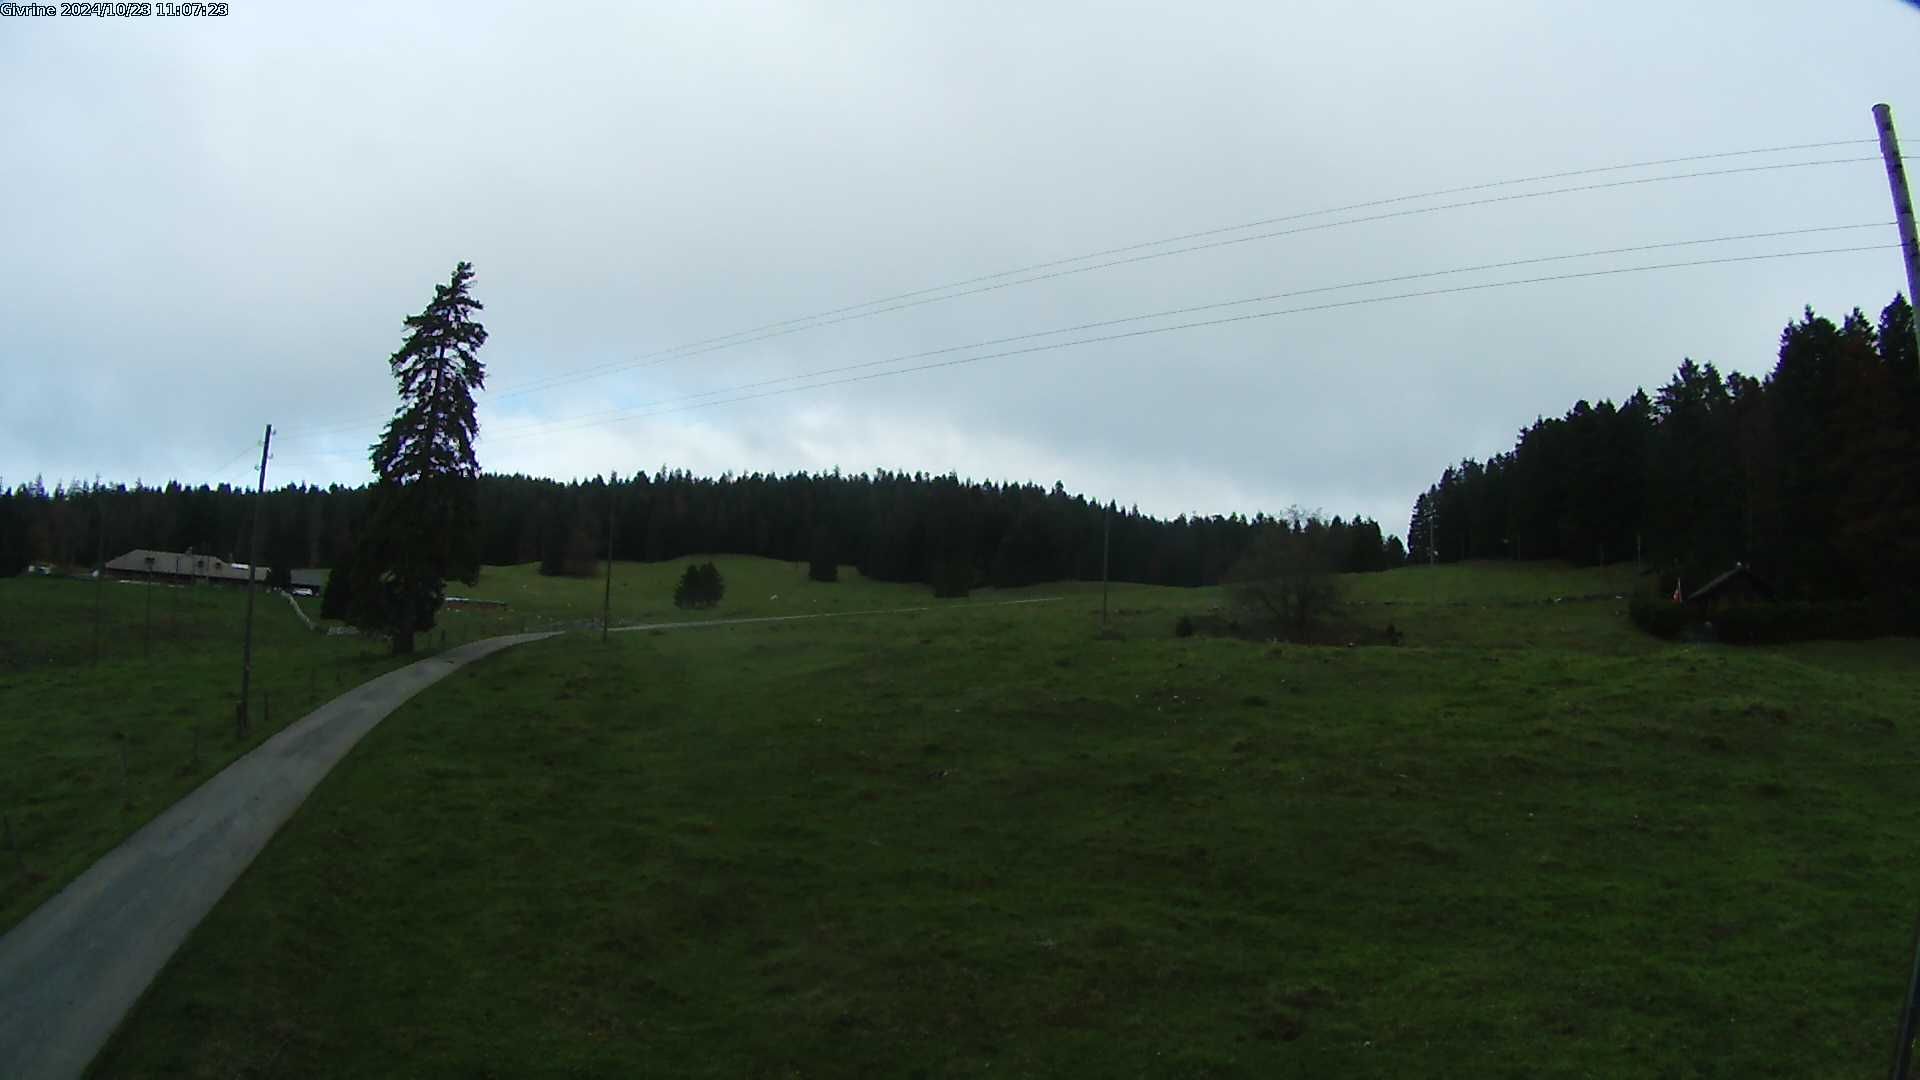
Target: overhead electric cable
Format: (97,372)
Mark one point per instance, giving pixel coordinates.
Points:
(923,296)
(603,370)
(1191,309)
(1225,320)
(686,404)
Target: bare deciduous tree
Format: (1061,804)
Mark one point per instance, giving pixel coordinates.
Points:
(1285,583)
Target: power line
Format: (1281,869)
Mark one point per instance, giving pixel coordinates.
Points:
(1371,204)
(688,402)
(1170,312)
(1233,319)
(608,369)
(842,314)
(235,459)
(1302,215)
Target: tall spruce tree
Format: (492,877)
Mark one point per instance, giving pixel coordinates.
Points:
(1420,529)
(423,526)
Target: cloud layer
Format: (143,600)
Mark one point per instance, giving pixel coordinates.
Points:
(213,224)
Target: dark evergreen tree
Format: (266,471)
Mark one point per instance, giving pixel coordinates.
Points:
(336,600)
(823,563)
(1811,475)
(423,528)
(285,552)
(891,525)
(701,586)
(1420,529)
(952,577)
(13,534)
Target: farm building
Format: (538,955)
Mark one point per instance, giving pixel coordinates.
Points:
(188,567)
(1734,588)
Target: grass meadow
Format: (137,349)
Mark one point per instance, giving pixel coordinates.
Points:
(117,698)
(980,840)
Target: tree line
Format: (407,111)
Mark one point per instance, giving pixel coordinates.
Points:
(1809,474)
(892,526)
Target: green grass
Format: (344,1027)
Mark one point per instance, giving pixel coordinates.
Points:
(96,672)
(92,748)
(984,841)
(643,593)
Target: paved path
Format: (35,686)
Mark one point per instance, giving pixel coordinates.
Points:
(70,971)
(73,968)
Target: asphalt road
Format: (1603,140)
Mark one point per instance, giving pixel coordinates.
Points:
(70,971)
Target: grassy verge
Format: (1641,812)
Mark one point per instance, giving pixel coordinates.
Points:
(91,749)
(117,698)
(643,593)
(982,841)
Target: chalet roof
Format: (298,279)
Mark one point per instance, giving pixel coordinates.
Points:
(1740,572)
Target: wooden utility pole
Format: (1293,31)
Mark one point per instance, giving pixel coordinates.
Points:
(1902,208)
(253,571)
(146,629)
(1910,254)
(99,570)
(1903,1045)
(1106,535)
(606,602)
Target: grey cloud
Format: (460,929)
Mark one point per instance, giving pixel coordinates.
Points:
(216,224)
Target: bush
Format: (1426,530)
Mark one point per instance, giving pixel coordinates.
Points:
(1773,623)
(1284,586)
(1658,615)
(1769,624)
(1183,626)
(700,587)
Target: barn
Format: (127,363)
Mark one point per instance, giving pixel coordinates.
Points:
(1735,588)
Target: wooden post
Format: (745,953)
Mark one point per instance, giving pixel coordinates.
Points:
(99,573)
(146,629)
(606,602)
(1910,255)
(253,569)
(1902,207)
(1106,535)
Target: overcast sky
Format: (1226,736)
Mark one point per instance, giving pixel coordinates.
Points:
(212,224)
